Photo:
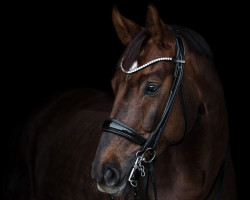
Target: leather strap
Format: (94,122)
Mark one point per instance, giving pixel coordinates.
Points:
(154,137)
(117,127)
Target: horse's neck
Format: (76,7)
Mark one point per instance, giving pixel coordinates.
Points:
(189,169)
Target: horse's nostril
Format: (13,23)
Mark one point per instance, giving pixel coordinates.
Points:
(111,176)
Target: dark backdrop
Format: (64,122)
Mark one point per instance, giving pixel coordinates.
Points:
(52,47)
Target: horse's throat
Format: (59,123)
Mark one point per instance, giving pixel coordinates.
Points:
(188,169)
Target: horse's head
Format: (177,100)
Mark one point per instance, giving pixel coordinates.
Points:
(140,99)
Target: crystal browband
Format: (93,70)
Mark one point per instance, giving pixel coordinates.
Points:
(152,62)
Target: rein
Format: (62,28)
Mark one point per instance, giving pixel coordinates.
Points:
(148,146)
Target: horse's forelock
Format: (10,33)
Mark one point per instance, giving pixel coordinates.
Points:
(133,49)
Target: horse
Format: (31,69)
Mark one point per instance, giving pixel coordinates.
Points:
(168,122)
(57,147)
(65,155)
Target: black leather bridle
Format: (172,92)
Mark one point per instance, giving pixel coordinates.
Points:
(148,146)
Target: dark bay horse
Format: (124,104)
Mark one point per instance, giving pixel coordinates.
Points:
(59,143)
(200,166)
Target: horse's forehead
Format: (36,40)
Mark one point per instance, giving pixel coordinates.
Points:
(150,50)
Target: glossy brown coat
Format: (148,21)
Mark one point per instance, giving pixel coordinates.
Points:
(60,141)
(186,171)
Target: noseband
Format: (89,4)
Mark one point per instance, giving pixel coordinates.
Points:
(148,146)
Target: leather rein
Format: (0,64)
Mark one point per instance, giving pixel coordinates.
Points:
(148,146)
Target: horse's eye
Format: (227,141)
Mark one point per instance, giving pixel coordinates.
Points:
(151,89)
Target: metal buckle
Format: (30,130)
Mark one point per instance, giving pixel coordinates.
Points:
(138,167)
(150,152)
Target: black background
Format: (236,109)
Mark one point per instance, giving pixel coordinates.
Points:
(52,47)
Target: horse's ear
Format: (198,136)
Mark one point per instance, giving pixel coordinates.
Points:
(125,28)
(155,26)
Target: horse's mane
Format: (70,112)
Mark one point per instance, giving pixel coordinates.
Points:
(194,40)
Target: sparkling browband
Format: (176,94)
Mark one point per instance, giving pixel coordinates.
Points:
(150,63)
